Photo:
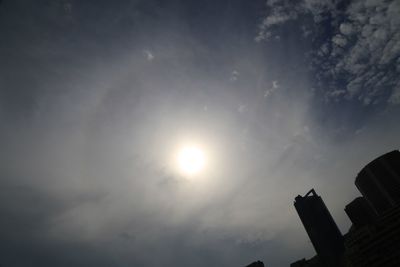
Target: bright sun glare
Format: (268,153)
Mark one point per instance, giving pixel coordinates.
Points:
(191,160)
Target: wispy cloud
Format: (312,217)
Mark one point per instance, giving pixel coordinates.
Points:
(149,55)
(234,76)
(272,89)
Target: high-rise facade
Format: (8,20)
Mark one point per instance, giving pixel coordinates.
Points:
(321,228)
(374,237)
(360,212)
(376,244)
(379,182)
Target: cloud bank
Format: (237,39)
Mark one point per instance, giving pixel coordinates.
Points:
(356,46)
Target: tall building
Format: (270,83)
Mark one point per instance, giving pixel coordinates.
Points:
(321,228)
(360,212)
(376,244)
(374,238)
(379,182)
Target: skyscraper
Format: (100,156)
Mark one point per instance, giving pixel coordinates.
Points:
(374,238)
(321,228)
(379,182)
(360,212)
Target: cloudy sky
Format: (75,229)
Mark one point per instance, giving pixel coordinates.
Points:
(97,98)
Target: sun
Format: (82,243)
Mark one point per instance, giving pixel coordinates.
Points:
(191,160)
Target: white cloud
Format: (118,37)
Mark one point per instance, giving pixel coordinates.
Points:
(149,55)
(363,50)
(271,90)
(395,97)
(337,93)
(346,28)
(234,76)
(371,57)
(279,14)
(339,40)
(275,84)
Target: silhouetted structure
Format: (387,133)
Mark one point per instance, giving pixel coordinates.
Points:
(374,238)
(299,263)
(377,244)
(321,228)
(313,262)
(360,212)
(256,264)
(379,182)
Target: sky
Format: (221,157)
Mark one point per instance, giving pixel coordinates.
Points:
(97,97)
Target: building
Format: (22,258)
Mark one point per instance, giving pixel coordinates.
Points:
(313,262)
(379,182)
(376,244)
(321,228)
(360,212)
(256,264)
(374,238)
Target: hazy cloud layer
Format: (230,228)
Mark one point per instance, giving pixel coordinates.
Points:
(96,98)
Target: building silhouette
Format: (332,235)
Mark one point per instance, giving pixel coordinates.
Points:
(376,244)
(256,264)
(373,239)
(313,262)
(321,228)
(360,212)
(379,182)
